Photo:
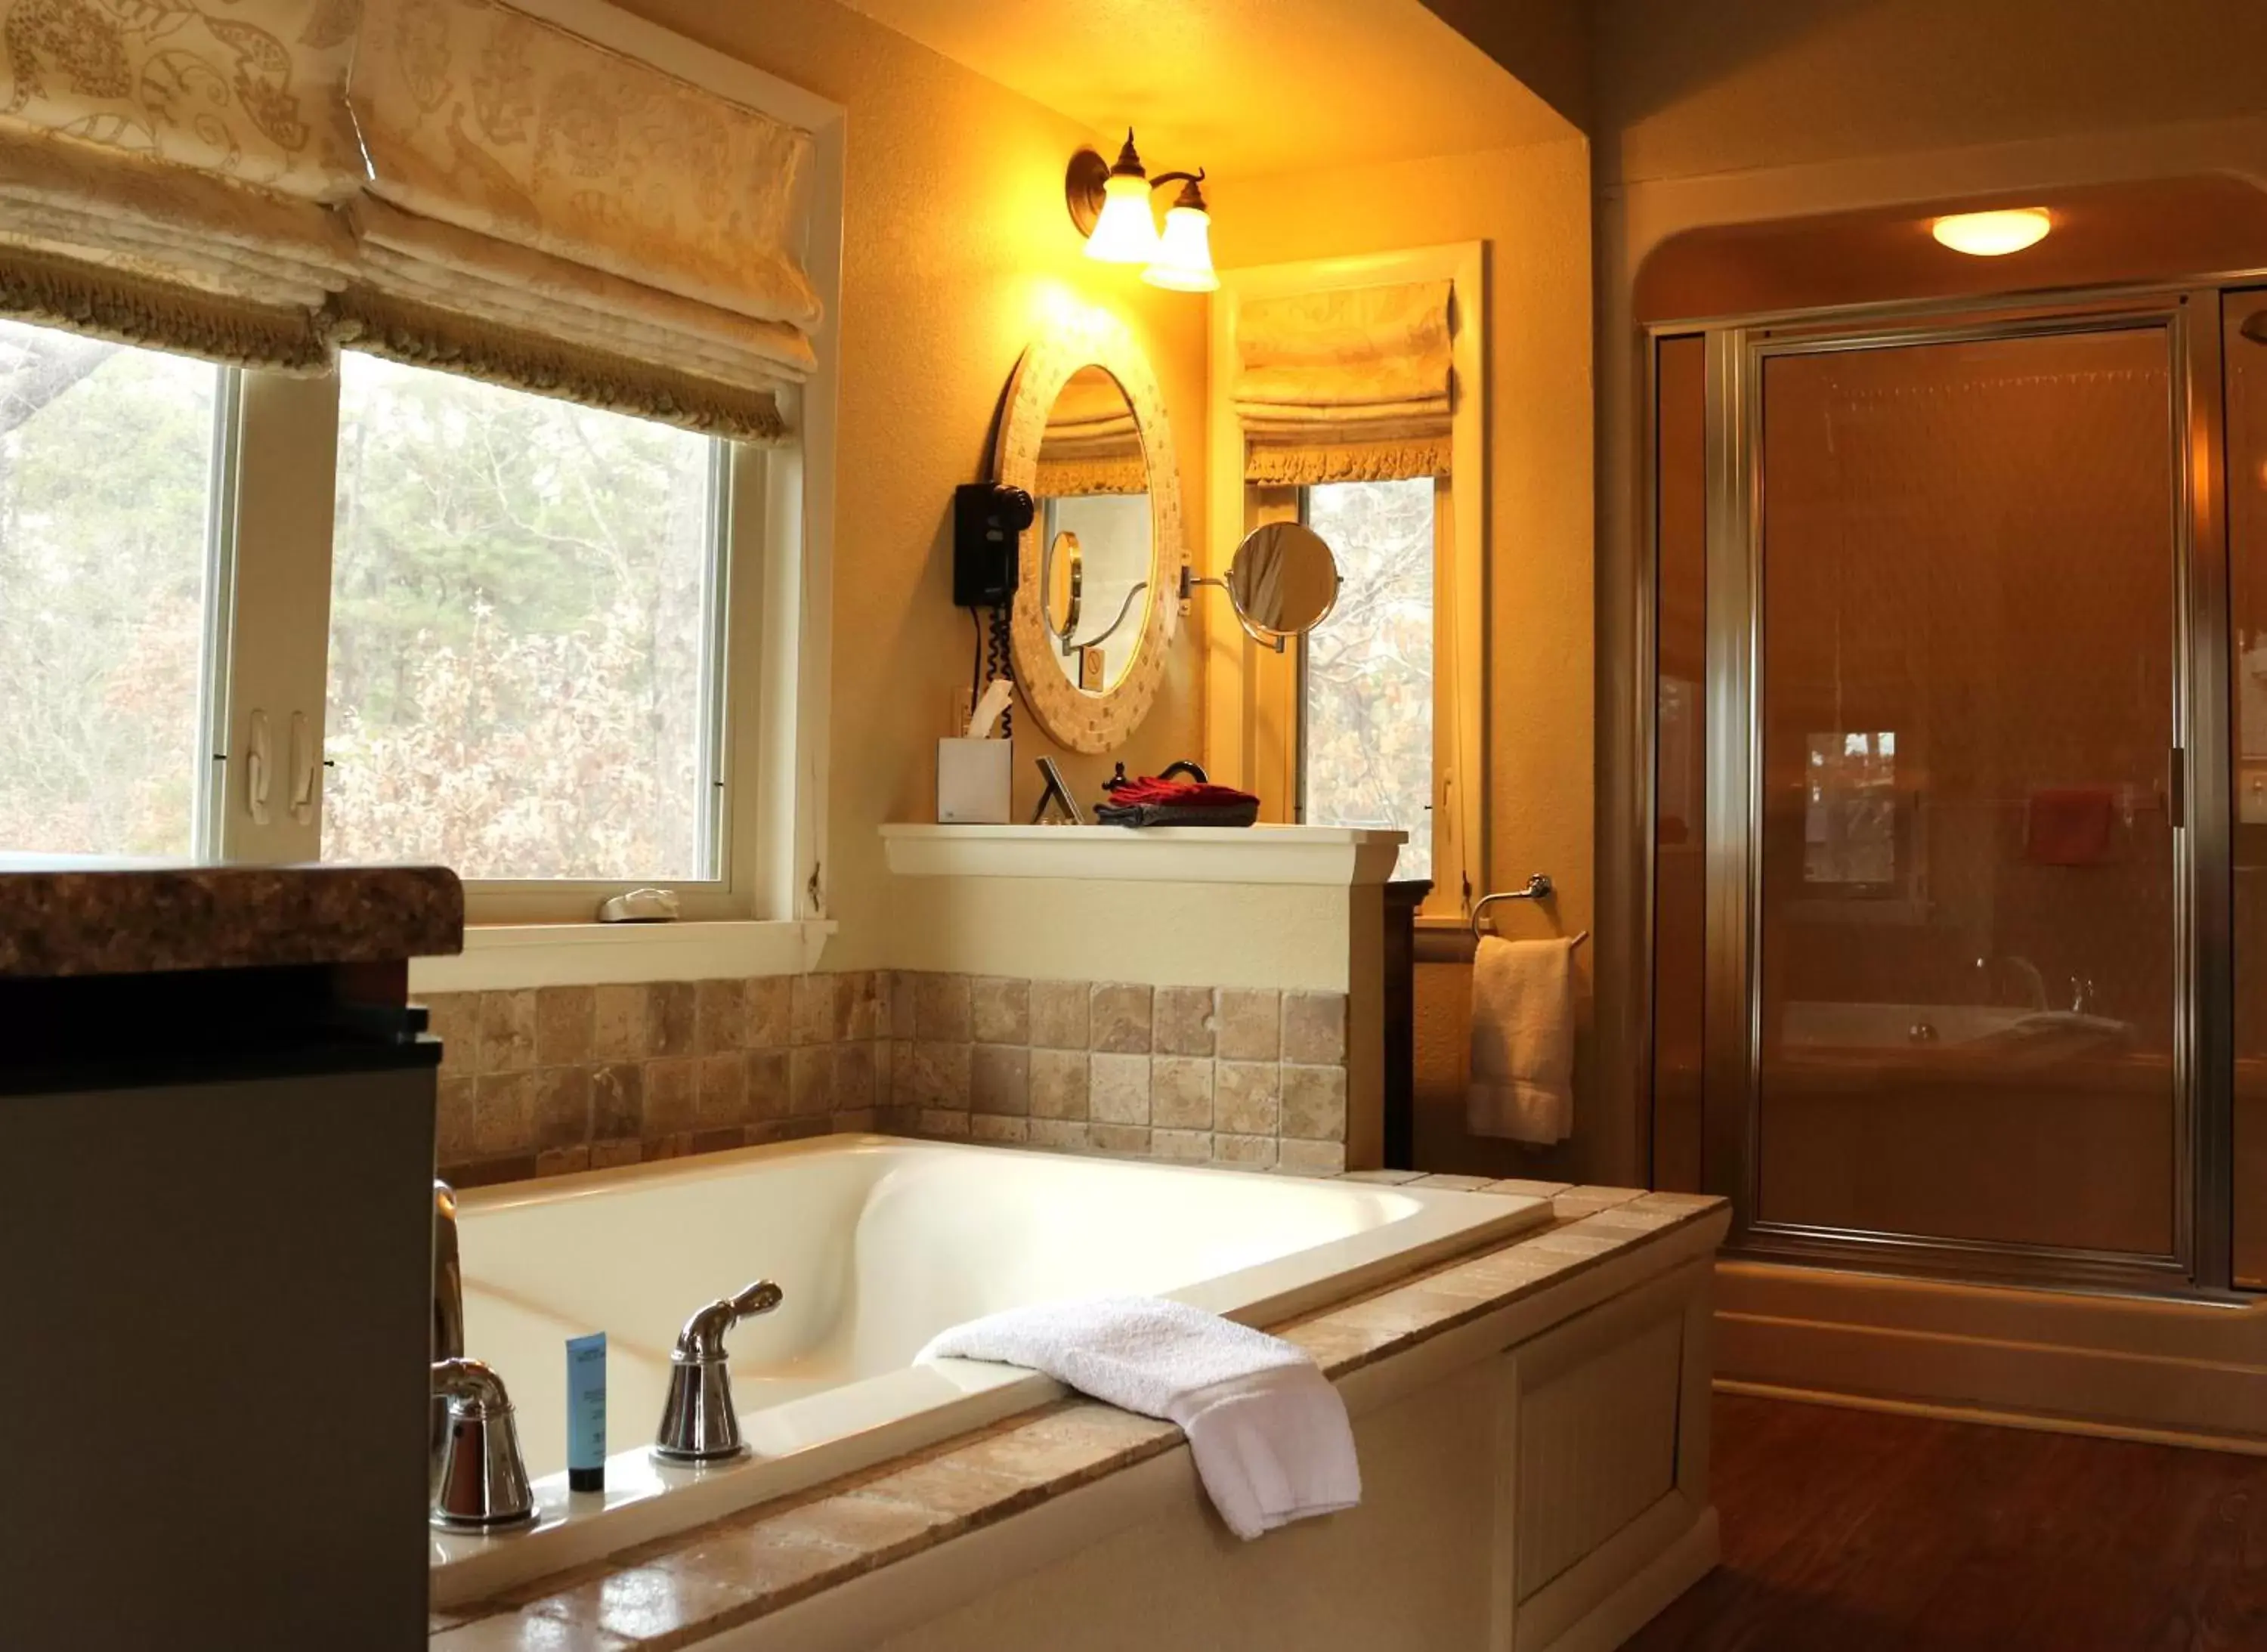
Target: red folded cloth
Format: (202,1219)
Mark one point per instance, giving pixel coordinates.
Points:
(1178,793)
(2069,826)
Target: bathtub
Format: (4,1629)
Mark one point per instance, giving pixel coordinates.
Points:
(878,1243)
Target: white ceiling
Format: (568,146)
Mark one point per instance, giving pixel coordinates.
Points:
(1242,87)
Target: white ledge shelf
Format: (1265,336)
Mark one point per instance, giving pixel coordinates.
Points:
(1330,857)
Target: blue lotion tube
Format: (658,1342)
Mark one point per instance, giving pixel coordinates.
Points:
(586,1412)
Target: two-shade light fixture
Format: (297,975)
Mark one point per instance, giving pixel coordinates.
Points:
(1110,203)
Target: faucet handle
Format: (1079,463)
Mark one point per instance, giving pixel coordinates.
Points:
(698,1423)
(702,1339)
(478,1480)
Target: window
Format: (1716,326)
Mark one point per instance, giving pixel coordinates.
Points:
(104,590)
(1374,719)
(524,663)
(1850,811)
(1366,696)
(495,637)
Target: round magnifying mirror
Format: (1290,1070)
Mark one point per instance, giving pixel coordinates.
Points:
(1062,586)
(1283,579)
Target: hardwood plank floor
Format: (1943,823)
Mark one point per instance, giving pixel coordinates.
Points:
(1860,1531)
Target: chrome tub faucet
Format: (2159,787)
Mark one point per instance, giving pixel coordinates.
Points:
(698,1423)
(475,1477)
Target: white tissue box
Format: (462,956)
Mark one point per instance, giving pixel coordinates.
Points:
(975,781)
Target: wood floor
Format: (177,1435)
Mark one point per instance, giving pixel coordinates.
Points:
(1856,1532)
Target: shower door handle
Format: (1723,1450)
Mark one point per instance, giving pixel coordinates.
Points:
(2176,787)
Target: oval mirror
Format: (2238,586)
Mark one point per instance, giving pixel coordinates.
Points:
(1093,497)
(1283,579)
(1098,592)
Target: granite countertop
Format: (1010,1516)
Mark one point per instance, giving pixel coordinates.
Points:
(685,1588)
(60,917)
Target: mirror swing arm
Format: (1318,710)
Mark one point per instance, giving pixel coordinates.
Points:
(1279,640)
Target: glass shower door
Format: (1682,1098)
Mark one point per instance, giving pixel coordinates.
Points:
(2245,353)
(1964,878)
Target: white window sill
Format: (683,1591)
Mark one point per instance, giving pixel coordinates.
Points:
(1336,856)
(499,956)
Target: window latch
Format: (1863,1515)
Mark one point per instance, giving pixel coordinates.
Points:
(303,770)
(255,770)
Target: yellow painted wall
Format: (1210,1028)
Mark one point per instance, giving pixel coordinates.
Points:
(956,244)
(1684,90)
(1532,206)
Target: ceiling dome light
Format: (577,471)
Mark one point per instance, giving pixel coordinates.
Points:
(1184,257)
(1992,234)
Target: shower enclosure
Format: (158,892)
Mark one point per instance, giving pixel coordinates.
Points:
(1960,791)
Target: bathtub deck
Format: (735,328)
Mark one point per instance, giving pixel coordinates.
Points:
(716,1577)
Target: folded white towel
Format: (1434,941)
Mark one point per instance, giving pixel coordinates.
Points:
(1523,1079)
(1269,1433)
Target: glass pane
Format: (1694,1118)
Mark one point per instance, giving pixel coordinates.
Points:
(1680,759)
(519,659)
(1968,878)
(1368,715)
(106,463)
(2246,347)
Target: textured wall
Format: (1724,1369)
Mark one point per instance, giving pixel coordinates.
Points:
(1684,90)
(955,247)
(1532,206)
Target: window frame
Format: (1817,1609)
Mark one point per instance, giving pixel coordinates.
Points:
(273,512)
(1441,835)
(273,502)
(1254,698)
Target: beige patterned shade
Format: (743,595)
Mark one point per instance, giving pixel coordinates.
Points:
(1348,383)
(481,117)
(164,172)
(247,90)
(190,174)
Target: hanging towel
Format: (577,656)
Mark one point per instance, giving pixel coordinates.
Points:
(2069,826)
(1522,1079)
(1269,1433)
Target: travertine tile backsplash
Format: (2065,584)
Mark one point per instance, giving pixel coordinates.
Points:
(546,1080)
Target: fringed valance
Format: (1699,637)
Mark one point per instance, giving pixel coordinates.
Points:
(533,209)
(423,335)
(118,307)
(1350,384)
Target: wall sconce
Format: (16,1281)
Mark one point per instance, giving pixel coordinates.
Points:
(1110,206)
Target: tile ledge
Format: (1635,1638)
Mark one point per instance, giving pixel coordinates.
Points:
(507,957)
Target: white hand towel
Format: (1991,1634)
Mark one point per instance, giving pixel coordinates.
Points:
(1523,1079)
(1269,1433)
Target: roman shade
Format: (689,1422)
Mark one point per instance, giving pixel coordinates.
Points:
(1091,443)
(1347,384)
(540,207)
(166,176)
(453,183)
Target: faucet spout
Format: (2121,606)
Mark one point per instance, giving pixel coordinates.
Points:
(448,1276)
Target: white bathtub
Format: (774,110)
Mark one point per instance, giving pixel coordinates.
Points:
(878,1244)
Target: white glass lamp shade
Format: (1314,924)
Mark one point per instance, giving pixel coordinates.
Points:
(1992,234)
(1124,233)
(1184,260)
